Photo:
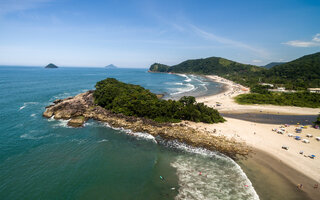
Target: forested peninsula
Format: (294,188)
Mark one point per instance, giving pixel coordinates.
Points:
(134,100)
(135,108)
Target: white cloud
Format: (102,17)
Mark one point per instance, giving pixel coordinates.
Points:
(315,42)
(223,40)
(316,38)
(256,61)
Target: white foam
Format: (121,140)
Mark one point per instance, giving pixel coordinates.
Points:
(61,123)
(189,87)
(173,83)
(204,86)
(141,135)
(51,119)
(187,79)
(103,140)
(31,137)
(195,150)
(33,115)
(61,96)
(221,177)
(26,104)
(79,141)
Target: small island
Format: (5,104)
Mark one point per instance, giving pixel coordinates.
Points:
(111,66)
(51,66)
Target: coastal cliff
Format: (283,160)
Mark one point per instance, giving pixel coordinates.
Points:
(81,107)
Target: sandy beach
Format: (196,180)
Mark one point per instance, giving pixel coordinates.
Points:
(266,141)
(225,103)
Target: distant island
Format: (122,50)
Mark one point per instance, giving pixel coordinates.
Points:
(51,66)
(111,66)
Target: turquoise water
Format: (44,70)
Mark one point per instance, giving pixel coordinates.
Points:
(45,159)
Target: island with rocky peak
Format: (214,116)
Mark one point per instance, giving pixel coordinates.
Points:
(51,66)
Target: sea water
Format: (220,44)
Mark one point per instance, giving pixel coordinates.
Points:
(45,159)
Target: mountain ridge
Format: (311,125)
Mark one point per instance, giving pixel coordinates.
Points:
(300,73)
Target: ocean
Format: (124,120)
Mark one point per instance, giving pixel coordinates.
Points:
(45,159)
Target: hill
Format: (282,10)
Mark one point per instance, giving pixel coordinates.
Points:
(111,66)
(134,100)
(241,73)
(272,64)
(51,66)
(301,73)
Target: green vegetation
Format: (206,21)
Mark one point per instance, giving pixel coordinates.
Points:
(157,67)
(260,89)
(134,100)
(240,73)
(301,99)
(272,64)
(299,74)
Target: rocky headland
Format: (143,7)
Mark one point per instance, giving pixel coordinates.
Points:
(80,108)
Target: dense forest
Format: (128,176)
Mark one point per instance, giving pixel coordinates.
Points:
(272,64)
(134,100)
(260,95)
(299,74)
(301,99)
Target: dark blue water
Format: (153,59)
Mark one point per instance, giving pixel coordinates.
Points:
(45,159)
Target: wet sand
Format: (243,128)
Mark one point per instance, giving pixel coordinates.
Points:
(272,179)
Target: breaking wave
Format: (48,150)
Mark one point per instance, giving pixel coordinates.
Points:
(210,175)
(26,104)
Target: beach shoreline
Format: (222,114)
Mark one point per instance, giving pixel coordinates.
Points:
(273,179)
(293,167)
(228,105)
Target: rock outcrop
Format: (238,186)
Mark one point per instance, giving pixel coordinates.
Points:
(51,66)
(81,108)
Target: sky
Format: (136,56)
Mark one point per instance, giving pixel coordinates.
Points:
(138,33)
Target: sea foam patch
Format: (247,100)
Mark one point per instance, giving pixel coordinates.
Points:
(140,135)
(61,123)
(26,104)
(206,174)
(29,136)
